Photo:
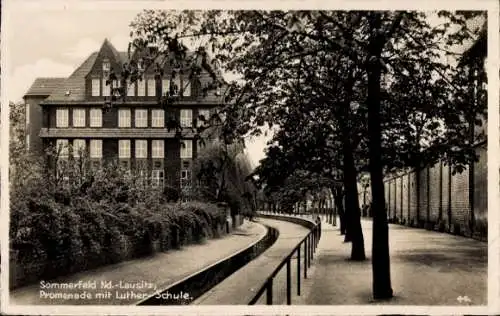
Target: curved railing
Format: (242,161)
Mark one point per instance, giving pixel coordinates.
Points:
(308,246)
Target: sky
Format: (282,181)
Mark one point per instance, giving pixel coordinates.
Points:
(54,44)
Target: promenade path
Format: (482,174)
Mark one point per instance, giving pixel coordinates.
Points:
(240,287)
(160,270)
(427,268)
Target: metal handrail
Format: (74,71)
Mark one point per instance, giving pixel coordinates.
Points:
(310,243)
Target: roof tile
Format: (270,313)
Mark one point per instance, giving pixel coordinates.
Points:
(44,86)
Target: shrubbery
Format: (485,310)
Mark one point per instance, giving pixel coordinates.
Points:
(69,222)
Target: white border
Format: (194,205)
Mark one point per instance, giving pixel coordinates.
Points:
(9,7)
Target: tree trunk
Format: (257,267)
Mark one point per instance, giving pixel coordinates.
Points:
(339,206)
(353,213)
(380,249)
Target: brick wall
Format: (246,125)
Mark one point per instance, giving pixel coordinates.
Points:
(456,204)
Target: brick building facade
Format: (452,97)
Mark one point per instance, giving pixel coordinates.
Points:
(70,114)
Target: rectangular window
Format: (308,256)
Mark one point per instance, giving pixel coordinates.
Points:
(124,118)
(130,89)
(203,117)
(185,178)
(106,88)
(141,118)
(95,117)
(96,148)
(62,118)
(187,149)
(141,148)
(177,86)
(158,150)
(78,117)
(27,114)
(157,177)
(151,87)
(157,118)
(78,147)
(62,148)
(96,87)
(186,86)
(165,86)
(186,118)
(106,66)
(141,88)
(124,148)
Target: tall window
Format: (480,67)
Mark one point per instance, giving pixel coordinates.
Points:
(106,65)
(151,87)
(124,118)
(96,148)
(157,178)
(130,89)
(27,114)
(158,150)
(185,178)
(186,86)
(157,118)
(177,85)
(186,118)
(62,148)
(141,148)
(106,88)
(95,117)
(62,118)
(124,148)
(141,118)
(78,147)
(141,88)
(79,118)
(165,86)
(96,87)
(187,149)
(203,117)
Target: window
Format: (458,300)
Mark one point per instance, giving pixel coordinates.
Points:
(186,85)
(141,88)
(130,89)
(79,118)
(106,88)
(158,150)
(141,148)
(157,118)
(124,118)
(27,114)
(124,148)
(203,117)
(106,66)
(116,84)
(151,87)
(165,86)
(95,148)
(27,141)
(78,147)
(186,118)
(95,117)
(157,178)
(187,149)
(177,86)
(96,87)
(185,178)
(62,148)
(62,118)
(141,118)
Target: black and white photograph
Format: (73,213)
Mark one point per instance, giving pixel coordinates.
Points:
(162,158)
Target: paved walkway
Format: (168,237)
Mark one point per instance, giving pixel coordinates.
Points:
(147,275)
(241,286)
(427,268)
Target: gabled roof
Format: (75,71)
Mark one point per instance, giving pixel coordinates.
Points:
(44,86)
(73,88)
